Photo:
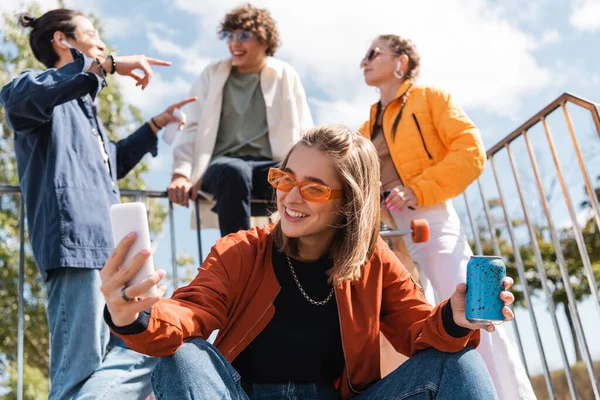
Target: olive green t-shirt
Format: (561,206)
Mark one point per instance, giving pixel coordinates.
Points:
(243,129)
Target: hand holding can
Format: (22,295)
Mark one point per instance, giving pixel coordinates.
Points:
(484,300)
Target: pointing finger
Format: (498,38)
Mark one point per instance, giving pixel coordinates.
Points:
(155,61)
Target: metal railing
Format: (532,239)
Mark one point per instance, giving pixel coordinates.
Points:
(505,145)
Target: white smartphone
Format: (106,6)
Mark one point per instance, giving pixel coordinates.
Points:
(133,217)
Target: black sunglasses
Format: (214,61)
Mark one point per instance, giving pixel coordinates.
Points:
(376,51)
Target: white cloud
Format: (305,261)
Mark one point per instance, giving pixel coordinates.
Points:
(526,12)
(161,28)
(352,112)
(550,36)
(586,15)
(159,92)
(468,47)
(165,46)
(14,7)
(116,27)
(123,27)
(189,57)
(11,8)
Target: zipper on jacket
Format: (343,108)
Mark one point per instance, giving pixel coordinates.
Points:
(421,134)
(249,330)
(337,306)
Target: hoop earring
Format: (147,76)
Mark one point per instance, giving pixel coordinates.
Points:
(398,73)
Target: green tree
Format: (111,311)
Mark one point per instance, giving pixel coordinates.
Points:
(117,117)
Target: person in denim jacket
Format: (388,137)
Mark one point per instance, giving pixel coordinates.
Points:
(68,170)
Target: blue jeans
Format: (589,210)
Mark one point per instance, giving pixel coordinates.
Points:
(80,367)
(199,371)
(233,181)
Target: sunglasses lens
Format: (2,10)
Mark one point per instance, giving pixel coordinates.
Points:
(226,35)
(280,180)
(372,54)
(244,36)
(314,192)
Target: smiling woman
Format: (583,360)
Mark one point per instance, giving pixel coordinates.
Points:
(300,304)
(309,229)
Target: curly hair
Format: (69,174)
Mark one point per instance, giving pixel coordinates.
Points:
(400,45)
(255,20)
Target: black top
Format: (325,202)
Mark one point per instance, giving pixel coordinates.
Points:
(302,343)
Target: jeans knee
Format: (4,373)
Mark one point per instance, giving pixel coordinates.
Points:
(197,366)
(461,362)
(189,355)
(466,372)
(185,362)
(465,366)
(464,360)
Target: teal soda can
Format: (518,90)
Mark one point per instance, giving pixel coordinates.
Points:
(485,282)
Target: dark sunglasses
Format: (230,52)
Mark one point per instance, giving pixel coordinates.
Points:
(375,52)
(241,36)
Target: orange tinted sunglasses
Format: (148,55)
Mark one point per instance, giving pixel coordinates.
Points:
(310,191)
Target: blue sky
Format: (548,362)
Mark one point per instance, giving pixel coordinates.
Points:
(502,60)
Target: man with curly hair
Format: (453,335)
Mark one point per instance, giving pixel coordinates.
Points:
(251,107)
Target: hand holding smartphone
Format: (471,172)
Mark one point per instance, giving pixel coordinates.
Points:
(133,217)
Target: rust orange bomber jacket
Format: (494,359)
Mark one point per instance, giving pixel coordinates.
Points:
(235,289)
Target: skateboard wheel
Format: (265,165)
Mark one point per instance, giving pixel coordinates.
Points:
(420,230)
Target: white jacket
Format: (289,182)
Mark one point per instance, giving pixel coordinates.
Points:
(288,115)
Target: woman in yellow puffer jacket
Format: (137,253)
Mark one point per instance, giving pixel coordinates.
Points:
(430,151)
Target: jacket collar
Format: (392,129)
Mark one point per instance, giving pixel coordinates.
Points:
(272,65)
(404,87)
(401,91)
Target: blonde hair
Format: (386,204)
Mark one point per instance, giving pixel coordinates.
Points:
(357,165)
